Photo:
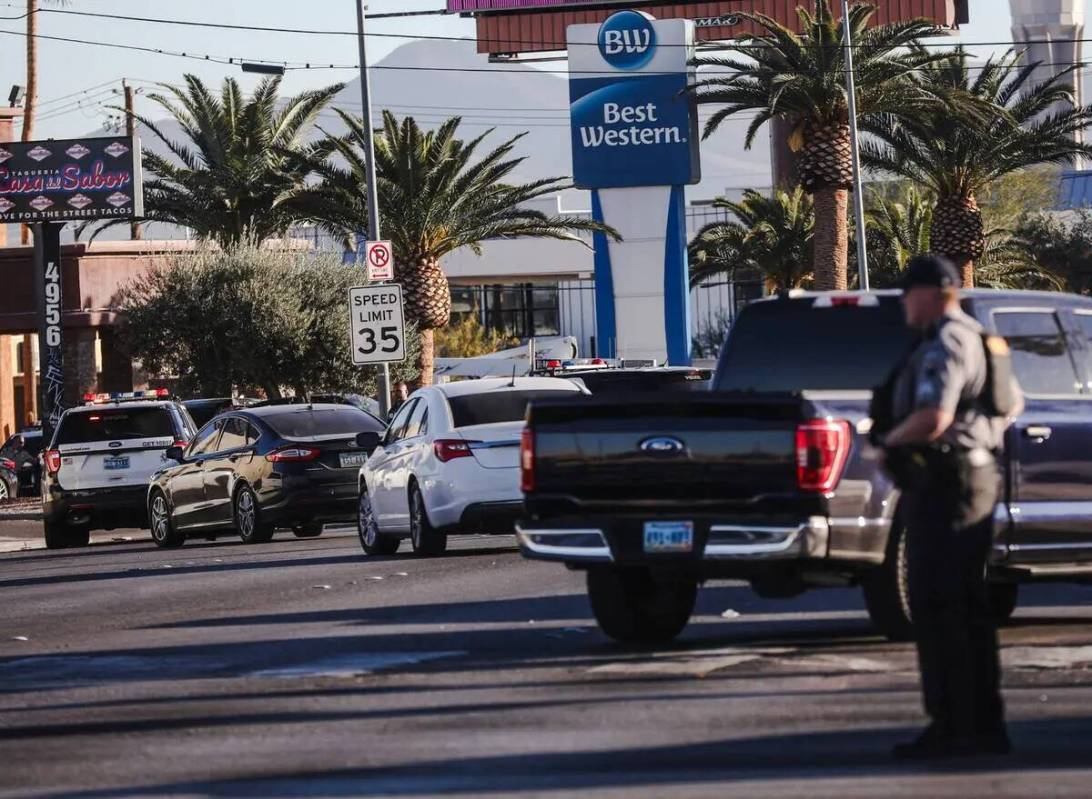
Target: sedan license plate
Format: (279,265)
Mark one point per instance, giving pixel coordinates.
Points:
(669,536)
(353,459)
(113,464)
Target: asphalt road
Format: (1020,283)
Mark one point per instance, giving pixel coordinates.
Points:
(301,668)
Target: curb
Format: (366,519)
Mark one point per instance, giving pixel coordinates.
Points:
(26,516)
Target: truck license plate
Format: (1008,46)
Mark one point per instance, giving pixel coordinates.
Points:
(669,536)
(113,464)
(353,459)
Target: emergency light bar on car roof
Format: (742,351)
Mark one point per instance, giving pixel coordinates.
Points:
(125,396)
(847,301)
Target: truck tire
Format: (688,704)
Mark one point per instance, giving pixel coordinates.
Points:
(887,590)
(1003,600)
(634,607)
(61,535)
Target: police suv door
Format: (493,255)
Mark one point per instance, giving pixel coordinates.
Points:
(1051,473)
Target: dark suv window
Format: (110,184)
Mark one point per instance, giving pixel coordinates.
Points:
(1040,357)
(116,424)
(793,345)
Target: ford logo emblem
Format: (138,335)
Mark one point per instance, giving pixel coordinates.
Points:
(627,40)
(663,445)
(114,444)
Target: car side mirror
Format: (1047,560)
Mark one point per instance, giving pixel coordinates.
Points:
(368,441)
(175,454)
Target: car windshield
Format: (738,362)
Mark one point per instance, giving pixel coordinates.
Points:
(791,345)
(309,423)
(501,406)
(115,424)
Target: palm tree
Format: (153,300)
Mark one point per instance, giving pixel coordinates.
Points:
(233,179)
(898,229)
(770,235)
(437,193)
(801,78)
(1020,125)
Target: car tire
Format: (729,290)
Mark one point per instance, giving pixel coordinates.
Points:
(9,488)
(634,607)
(164,533)
(1004,598)
(887,589)
(427,540)
(309,530)
(249,524)
(61,535)
(372,541)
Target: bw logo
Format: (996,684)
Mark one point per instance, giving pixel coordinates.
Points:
(627,40)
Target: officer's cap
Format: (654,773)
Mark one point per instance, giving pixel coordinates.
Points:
(931,270)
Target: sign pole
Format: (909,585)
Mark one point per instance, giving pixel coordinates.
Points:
(47,262)
(858,185)
(373,200)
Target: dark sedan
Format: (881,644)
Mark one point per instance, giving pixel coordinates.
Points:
(254,470)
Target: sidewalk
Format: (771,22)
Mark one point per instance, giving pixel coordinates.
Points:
(26,509)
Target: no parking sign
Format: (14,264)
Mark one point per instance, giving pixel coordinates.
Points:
(380,260)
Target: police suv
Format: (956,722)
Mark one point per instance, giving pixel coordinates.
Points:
(100,461)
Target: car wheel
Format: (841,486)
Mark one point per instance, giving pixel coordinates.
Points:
(887,589)
(164,533)
(427,540)
(634,607)
(1003,600)
(372,541)
(9,489)
(250,526)
(309,530)
(61,535)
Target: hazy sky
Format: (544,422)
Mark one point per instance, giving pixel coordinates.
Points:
(69,68)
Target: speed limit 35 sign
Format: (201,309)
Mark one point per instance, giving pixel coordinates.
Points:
(378,331)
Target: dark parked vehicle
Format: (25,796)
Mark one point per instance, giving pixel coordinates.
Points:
(203,411)
(256,469)
(771,477)
(602,382)
(9,480)
(24,451)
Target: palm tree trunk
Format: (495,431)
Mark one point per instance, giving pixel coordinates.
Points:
(426,359)
(831,239)
(958,232)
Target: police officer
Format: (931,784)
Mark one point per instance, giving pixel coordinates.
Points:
(939,416)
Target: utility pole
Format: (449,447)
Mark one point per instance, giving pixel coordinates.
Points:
(130,130)
(373,200)
(858,185)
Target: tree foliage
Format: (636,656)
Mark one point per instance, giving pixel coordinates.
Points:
(249,318)
(233,179)
(469,338)
(1062,245)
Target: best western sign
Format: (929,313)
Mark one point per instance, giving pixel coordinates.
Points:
(633,123)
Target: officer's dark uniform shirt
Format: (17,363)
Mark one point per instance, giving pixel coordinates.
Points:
(948,372)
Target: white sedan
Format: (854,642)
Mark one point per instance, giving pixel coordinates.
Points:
(449,462)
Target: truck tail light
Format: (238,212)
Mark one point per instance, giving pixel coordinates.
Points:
(292,455)
(448,449)
(53,461)
(527,460)
(822,449)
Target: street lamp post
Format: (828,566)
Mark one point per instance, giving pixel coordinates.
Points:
(373,200)
(858,187)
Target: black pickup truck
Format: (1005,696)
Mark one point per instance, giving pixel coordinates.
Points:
(770,477)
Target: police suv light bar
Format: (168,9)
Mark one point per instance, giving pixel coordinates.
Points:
(125,396)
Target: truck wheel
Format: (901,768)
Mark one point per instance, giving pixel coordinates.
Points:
(634,607)
(164,533)
(248,518)
(887,590)
(372,541)
(1003,599)
(61,535)
(427,540)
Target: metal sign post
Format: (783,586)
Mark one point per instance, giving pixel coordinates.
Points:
(47,263)
(858,185)
(373,199)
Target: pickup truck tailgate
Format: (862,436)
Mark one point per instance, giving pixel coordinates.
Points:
(714,447)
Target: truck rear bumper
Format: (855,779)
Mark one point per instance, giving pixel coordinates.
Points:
(714,541)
